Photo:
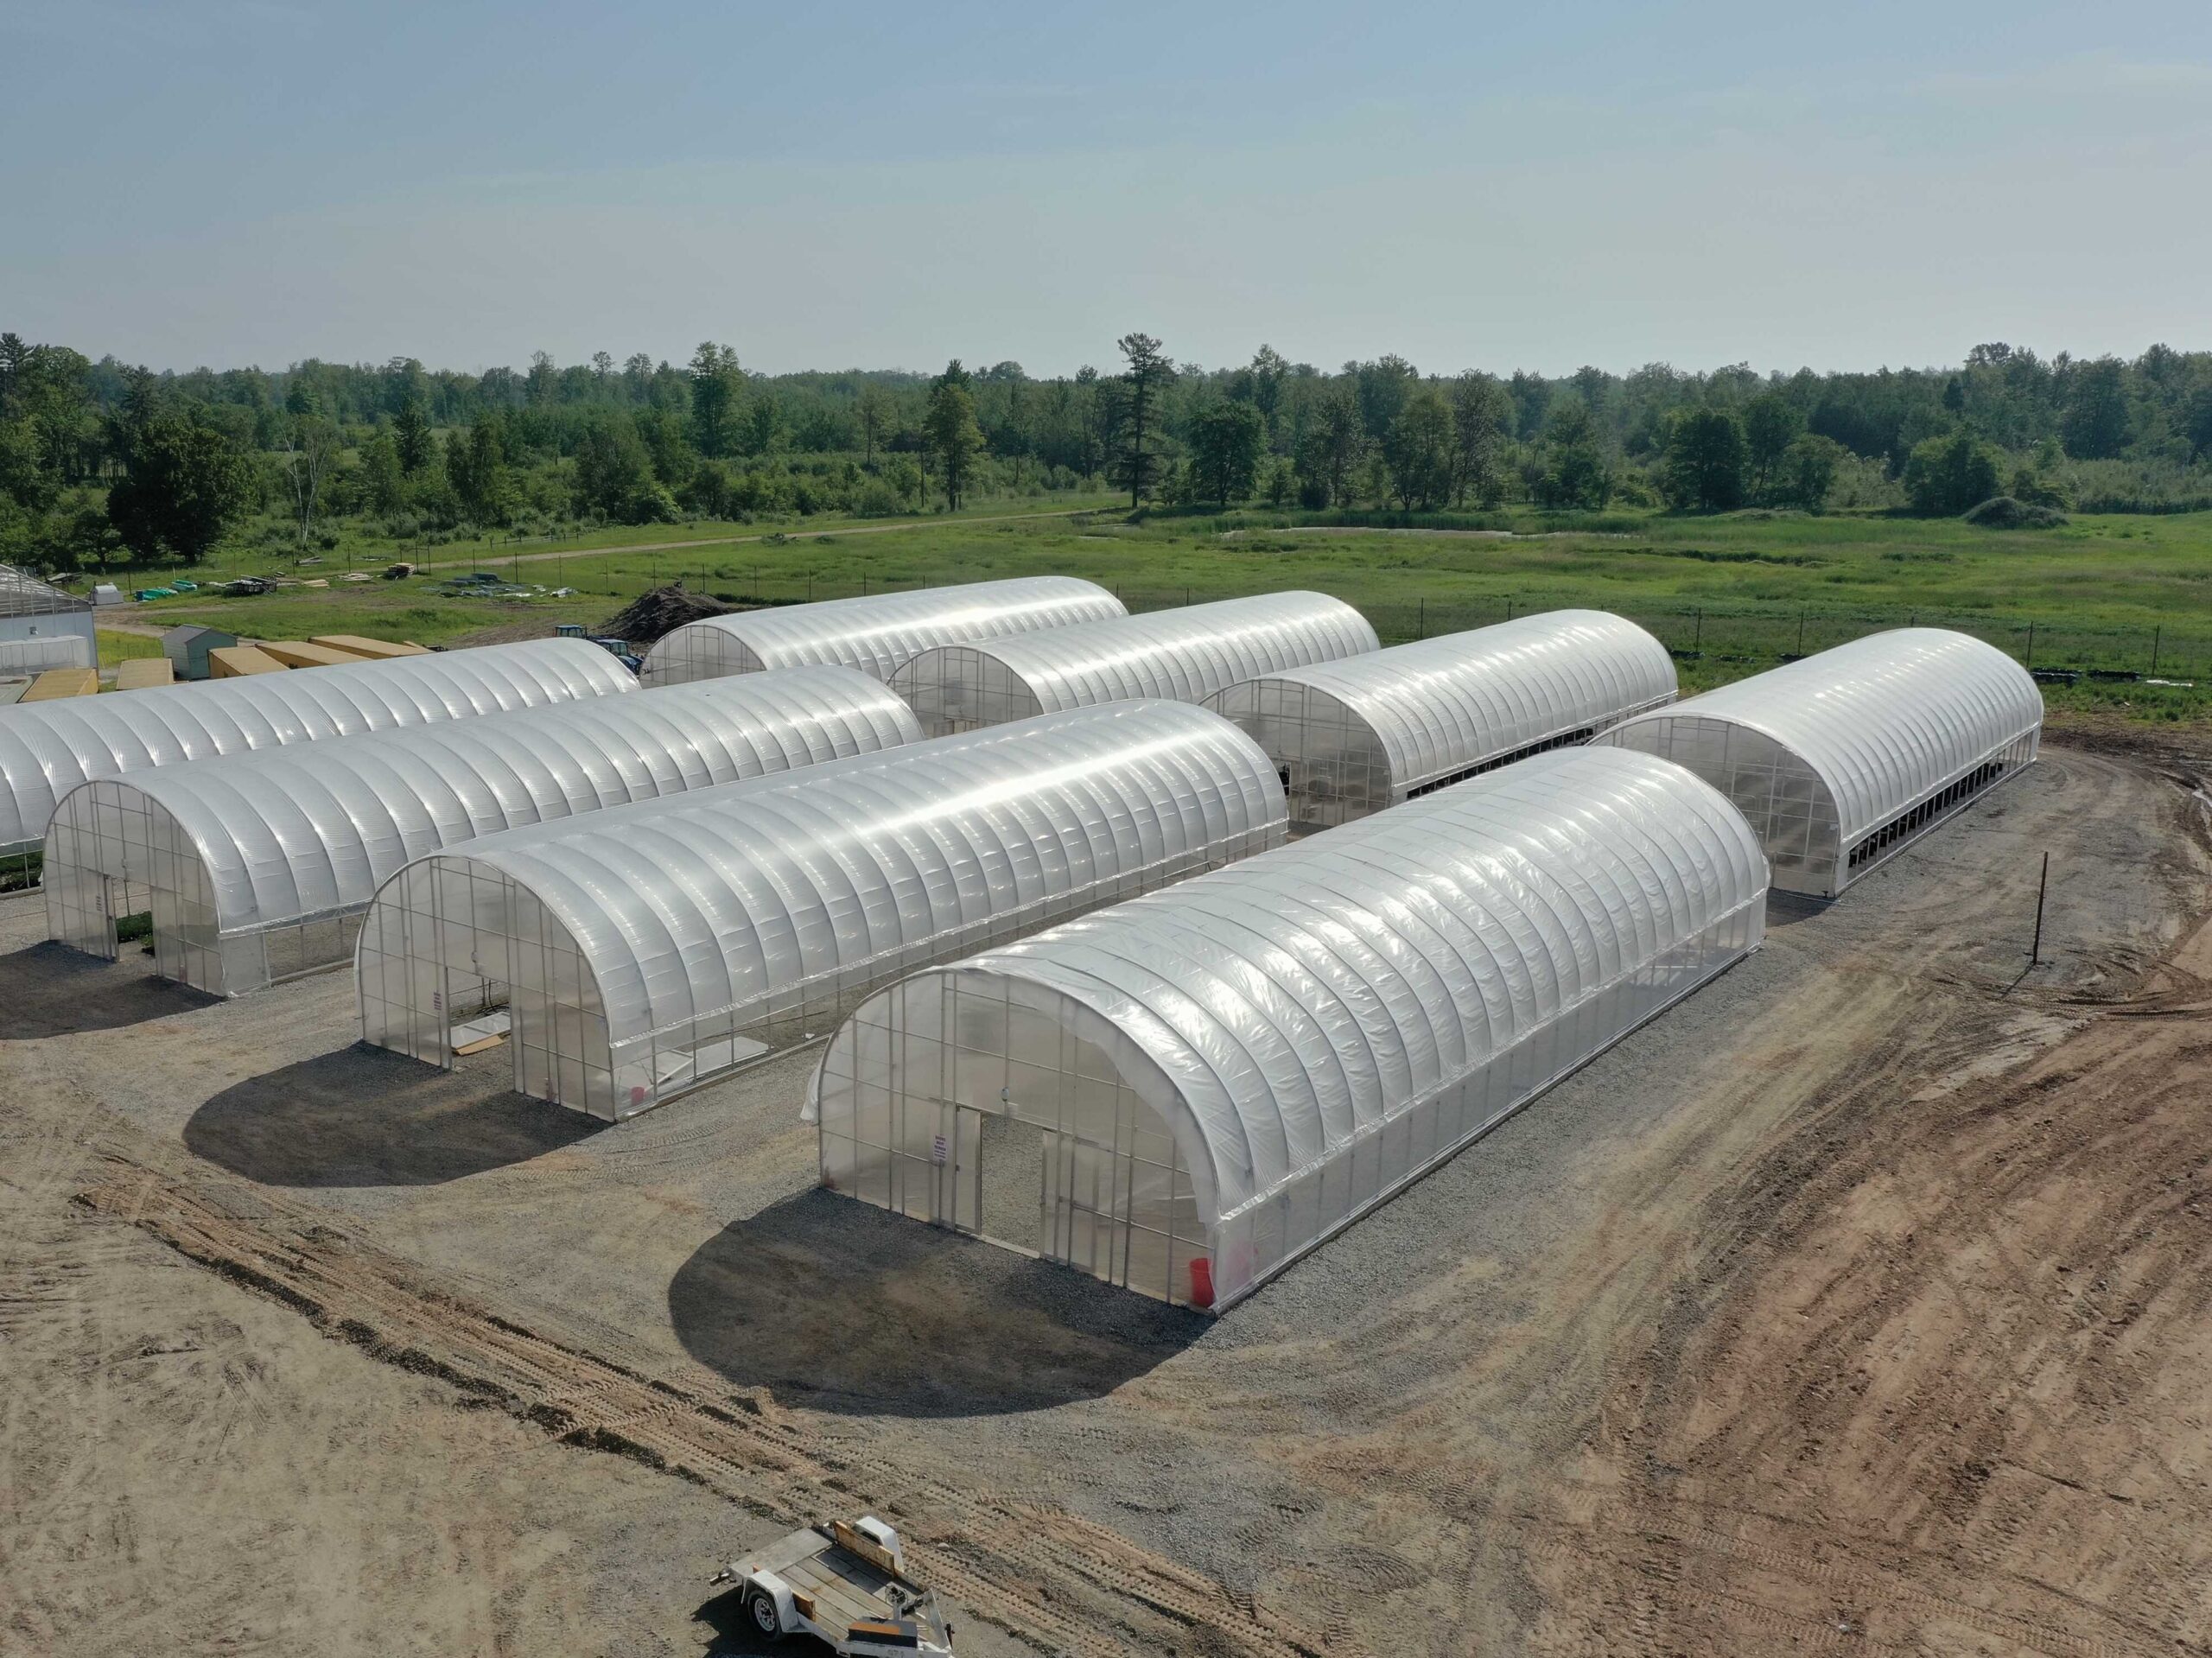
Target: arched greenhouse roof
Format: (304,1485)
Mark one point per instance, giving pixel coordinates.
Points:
(48,749)
(1285,1016)
(1444,705)
(1187,654)
(682,910)
(1884,721)
(876,633)
(312,831)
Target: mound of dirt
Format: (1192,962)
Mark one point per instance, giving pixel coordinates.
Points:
(662,610)
(2004,512)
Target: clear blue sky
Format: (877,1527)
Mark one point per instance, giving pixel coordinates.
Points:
(827,185)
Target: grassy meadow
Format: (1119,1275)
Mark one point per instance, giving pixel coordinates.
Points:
(1731,594)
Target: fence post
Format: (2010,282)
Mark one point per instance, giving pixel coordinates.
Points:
(2035,950)
(2156,634)
(1420,624)
(2031,648)
(1509,607)
(1697,634)
(1801,632)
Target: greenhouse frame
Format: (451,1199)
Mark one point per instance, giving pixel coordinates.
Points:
(1187,655)
(1354,736)
(1183,1094)
(647,950)
(1842,760)
(48,750)
(255,867)
(873,633)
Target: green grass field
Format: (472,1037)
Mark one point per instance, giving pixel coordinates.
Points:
(1730,594)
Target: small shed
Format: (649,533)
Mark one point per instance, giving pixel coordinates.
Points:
(187,648)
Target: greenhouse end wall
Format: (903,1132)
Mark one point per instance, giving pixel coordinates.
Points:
(642,952)
(1182,1094)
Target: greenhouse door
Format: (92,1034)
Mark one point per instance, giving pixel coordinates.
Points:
(1042,1191)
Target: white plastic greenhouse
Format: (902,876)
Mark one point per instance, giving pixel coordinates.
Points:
(1844,758)
(1187,654)
(875,634)
(643,950)
(1353,736)
(48,749)
(1184,1093)
(255,867)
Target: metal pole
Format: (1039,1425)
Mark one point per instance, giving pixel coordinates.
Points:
(2156,633)
(1697,634)
(1801,632)
(1420,624)
(1509,608)
(2035,950)
(2031,647)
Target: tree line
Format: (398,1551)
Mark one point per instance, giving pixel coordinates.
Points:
(99,459)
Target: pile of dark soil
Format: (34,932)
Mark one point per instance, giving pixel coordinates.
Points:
(662,610)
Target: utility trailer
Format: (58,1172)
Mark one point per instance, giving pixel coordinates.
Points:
(847,1586)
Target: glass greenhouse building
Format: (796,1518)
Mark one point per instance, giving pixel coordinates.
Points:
(643,950)
(1353,736)
(1843,759)
(255,867)
(48,750)
(1184,1093)
(1187,655)
(875,634)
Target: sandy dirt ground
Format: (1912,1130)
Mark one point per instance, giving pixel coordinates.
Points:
(1858,1304)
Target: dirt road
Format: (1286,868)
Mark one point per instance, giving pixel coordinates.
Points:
(1858,1304)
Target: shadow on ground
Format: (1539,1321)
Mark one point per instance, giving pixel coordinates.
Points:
(735,1635)
(837,1305)
(365,1116)
(52,990)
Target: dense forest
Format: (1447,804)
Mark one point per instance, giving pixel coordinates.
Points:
(103,463)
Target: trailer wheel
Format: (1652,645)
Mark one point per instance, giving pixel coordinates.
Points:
(765,1618)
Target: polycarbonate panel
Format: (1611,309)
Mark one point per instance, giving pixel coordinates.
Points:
(1363,733)
(1841,758)
(1310,1029)
(1187,654)
(35,656)
(289,838)
(666,942)
(873,633)
(48,748)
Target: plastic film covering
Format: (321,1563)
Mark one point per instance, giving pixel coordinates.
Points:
(254,863)
(1183,1093)
(1187,654)
(646,949)
(48,749)
(875,634)
(1356,735)
(1843,759)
